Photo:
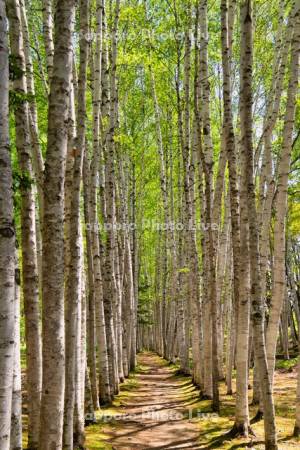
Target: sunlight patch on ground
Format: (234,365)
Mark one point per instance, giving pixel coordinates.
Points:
(213,429)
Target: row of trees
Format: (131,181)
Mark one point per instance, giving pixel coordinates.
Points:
(229,283)
(82,279)
(147,153)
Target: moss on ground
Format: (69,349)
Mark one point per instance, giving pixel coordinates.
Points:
(212,428)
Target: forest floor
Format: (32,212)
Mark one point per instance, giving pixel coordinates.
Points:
(159,409)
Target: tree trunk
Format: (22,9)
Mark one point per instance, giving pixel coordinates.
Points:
(279,282)
(80,364)
(73,291)
(248,179)
(91,319)
(28,231)
(37,157)
(48,36)
(53,234)
(110,286)
(207,164)
(16,413)
(7,245)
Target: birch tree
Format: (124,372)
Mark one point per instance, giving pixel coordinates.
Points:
(247,150)
(48,36)
(16,412)
(28,223)
(7,244)
(279,282)
(207,165)
(74,294)
(110,287)
(53,384)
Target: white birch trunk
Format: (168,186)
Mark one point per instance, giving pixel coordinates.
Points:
(73,291)
(248,174)
(16,413)
(279,282)
(28,230)
(53,234)
(48,36)
(7,244)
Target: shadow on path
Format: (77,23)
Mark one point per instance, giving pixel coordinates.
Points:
(156,414)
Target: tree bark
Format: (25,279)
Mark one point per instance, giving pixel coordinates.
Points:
(16,413)
(207,164)
(48,36)
(248,179)
(73,291)
(279,268)
(53,234)
(7,244)
(28,229)
(110,286)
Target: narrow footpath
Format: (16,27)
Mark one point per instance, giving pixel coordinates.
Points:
(157,413)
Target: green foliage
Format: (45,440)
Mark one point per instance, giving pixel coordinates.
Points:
(17,98)
(294,218)
(22,180)
(15,72)
(184,270)
(144,305)
(287,364)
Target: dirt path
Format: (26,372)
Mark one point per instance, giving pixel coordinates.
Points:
(157,413)
(158,410)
